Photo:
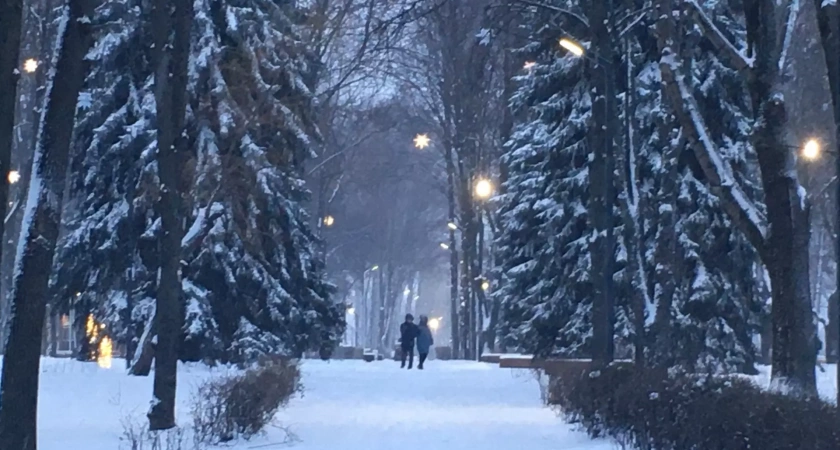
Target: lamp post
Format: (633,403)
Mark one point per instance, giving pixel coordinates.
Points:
(603,316)
(367,303)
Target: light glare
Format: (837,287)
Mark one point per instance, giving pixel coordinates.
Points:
(30,65)
(421,141)
(572,46)
(811,150)
(483,188)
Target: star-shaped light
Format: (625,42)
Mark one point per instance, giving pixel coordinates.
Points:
(30,65)
(421,141)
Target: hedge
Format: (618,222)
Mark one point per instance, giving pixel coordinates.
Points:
(650,409)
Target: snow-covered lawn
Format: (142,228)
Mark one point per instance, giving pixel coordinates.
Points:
(826,380)
(346,404)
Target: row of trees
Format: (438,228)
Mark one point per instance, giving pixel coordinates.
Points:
(676,120)
(168,198)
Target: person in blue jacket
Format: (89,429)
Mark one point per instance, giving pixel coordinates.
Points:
(424,340)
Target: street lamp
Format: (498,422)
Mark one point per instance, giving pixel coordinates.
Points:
(483,188)
(444,245)
(572,46)
(329,221)
(421,141)
(485,285)
(434,323)
(452,226)
(811,150)
(30,65)
(14,176)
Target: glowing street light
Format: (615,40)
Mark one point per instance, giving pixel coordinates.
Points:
(811,150)
(351,310)
(529,65)
(483,188)
(444,245)
(14,176)
(452,226)
(485,285)
(30,65)
(434,323)
(375,267)
(329,221)
(421,141)
(572,46)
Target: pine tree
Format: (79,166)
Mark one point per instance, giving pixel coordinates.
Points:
(694,307)
(253,282)
(543,263)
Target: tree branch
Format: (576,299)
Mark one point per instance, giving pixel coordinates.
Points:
(564,11)
(721,43)
(745,215)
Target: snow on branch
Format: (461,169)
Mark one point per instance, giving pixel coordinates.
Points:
(721,43)
(558,9)
(201,226)
(790,26)
(736,204)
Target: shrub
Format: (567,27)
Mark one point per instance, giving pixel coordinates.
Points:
(136,436)
(242,405)
(650,409)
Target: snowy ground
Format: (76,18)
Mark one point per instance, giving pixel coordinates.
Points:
(826,380)
(346,404)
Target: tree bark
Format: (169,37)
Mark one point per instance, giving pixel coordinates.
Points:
(828,20)
(454,321)
(172,21)
(601,187)
(11,17)
(19,389)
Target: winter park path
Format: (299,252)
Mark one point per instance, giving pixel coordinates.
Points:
(350,405)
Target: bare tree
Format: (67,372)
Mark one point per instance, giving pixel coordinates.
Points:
(19,390)
(785,250)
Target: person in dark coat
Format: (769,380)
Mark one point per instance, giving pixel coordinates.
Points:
(408,335)
(424,340)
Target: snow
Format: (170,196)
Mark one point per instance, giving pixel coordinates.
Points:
(346,404)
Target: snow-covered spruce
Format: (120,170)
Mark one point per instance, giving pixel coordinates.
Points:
(253,282)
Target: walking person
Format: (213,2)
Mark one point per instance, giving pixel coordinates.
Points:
(424,340)
(408,335)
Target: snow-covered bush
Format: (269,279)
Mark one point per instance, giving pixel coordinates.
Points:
(242,405)
(649,409)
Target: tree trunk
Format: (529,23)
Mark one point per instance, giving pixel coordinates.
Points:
(601,188)
(828,20)
(172,21)
(11,16)
(784,250)
(19,390)
(453,257)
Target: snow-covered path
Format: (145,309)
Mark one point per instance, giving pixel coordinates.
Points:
(451,405)
(350,405)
